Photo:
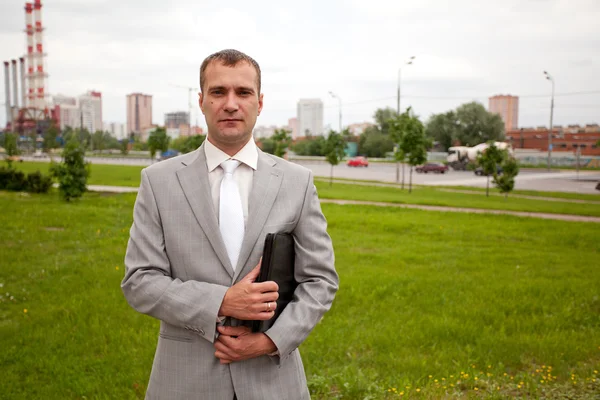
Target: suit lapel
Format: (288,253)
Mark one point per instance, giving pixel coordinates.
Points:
(265,187)
(196,188)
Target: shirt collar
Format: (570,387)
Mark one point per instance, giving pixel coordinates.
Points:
(215,156)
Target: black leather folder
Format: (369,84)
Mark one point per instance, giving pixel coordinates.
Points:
(277,265)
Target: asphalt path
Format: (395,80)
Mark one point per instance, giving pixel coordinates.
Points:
(534,179)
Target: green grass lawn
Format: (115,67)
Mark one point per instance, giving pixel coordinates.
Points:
(101,174)
(426,195)
(433,305)
(130,176)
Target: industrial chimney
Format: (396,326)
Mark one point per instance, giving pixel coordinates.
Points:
(15,84)
(7,92)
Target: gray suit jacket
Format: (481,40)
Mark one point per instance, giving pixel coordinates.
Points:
(177,270)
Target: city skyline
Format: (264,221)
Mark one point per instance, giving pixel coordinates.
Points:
(345,49)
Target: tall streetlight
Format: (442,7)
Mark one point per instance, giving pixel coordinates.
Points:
(551,79)
(409,62)
(340,101)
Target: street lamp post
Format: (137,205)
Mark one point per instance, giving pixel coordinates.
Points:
(551,79)
(409,62)
(340,101)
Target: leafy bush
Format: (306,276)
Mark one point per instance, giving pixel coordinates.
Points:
(73,172)
(38,182)
(17,181)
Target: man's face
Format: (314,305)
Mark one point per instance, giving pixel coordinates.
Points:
(230,103)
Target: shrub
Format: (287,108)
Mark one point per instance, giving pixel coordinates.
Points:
(17,181)
(73,172)
(38,182)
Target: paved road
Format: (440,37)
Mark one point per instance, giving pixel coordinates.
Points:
(555,181)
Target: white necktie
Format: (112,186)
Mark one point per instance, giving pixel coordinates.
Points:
(231,213)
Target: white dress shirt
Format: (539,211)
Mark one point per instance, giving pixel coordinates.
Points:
(243,174)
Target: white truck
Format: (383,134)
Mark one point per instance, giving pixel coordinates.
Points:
(460,156)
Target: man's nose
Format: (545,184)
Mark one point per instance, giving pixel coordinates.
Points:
(231,104)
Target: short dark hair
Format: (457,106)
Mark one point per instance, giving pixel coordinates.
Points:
(229,58)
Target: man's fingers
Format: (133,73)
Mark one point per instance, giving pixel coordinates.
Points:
(233,330)
(264,287)
(252,275)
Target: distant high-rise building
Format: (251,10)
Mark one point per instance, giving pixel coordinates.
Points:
(174,120)
(293,127)
(116,129)
(139,112)
(508,108)
(310,117)
(90,105)
(68,116)
(66,111)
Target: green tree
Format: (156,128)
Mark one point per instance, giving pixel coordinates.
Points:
(50,138)
(313,146)
(383,118)
(98,141)
(267,145)
(414,143)
(334,150)
(476,125)
(192,143)
(110,141)
(282,140)
(72,172)
(506,181)
(10,147)
(398,129)
(124,146)
(373,143)
(158,141)
(442,128)
(470,124)
(489,160)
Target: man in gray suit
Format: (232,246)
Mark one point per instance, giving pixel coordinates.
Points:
(196,273)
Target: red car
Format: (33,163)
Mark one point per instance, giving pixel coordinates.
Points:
(357,162)
(432,167)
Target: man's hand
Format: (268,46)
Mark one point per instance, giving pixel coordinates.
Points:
(247,300)
(237,343)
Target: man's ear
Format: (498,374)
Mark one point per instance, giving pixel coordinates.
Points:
(260,103)
(200,101)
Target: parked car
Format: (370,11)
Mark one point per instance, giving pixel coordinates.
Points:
(432,167)
(358,161)
(479,171)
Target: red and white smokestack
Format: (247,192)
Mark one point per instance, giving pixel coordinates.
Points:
(23,89)
(38,36)
(31,81)
(7,93)
(15,84)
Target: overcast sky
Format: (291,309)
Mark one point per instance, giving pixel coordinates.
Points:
(465,50)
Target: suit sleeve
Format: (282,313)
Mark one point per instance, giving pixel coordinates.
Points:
(315,274)
(148,285)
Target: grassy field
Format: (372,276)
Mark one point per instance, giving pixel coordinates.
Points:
(431,305)
(425,195)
